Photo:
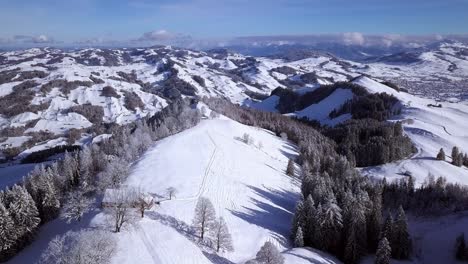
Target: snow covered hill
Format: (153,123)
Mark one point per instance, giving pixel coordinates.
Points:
(430,128)
(46,93)
(246,183)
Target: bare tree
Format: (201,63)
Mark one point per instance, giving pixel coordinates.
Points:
(77,205)
(222,237)
(205,216)
(171,192)
(269,254)
(144,202)
(86,246)
(121,201)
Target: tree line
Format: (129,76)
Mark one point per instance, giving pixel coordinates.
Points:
(340,211)
(68,187)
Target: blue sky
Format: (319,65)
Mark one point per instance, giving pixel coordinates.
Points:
(79,20)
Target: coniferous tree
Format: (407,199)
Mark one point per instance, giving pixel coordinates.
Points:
(387,229)
(331,223)
(465,160)
(461,252)
(8,234)
(309,224)
(299,239)
(290,170)
(384,252)
(24,213)
(401,246)
(50,201)
(455,156)
(298,218)
(352,250)
(374,222)
(441,154)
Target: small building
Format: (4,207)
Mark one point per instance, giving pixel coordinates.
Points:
(127,196)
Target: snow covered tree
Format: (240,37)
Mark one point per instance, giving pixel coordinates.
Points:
(205,217)
(120,210)
(309,221)
(401,246)
(76,206)
(24,213)
(8,234)
(269,254)
(69,168)
(352,250)
(331,223)
(144,203)
(299,239)
(374,222)
(171,192)
(465,160)
(86,246)
(441,154)
(290,168)
(298,218)
(221,236)
(115,173)
(50,201)
(85,167)
(461,252)
(387,229)
(384,252)
(456,157)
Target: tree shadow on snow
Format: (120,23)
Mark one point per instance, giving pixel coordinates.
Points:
(216,259)
(274,212)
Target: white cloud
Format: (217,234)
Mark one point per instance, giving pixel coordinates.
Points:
(39,39)
(353,38)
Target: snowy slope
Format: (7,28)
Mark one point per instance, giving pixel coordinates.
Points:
(247,186)
(321,110)
(430,128)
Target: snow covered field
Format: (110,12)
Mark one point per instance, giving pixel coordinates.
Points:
(247,185)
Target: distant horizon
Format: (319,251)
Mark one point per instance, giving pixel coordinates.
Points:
(106,22)
(347,39)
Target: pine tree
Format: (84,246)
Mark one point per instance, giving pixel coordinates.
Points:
(24,213)
(7,231)
(222,237)
(401,248)
(299,239)
(310,218)
(331,224)
(383,252)
(352,251)
(441,154)
(50,202)
(374,222)
(269,254)
(85,167)
(298,218)
(465,160)
(387,229)
(290,170)
(455,156)
(205,216)
(461,252)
